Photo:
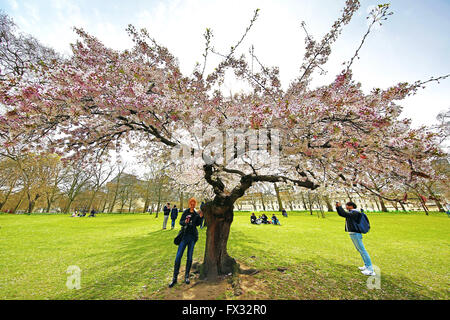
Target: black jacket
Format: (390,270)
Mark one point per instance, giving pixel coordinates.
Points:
(352,218)
(166,211)
(191,228)
(174,213)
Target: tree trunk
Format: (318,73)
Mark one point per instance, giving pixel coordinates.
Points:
(181,200)
(105,203)
(304,202)
(8,194)
(49,206)
(383,206)
(262,202)
(280,204)
(254,205)
(436,199)
(439,205)
(32,203)
(403,207)
(378,206)
(217,261)
(69,204)
(328,203)
(91,201)
(116,191)
(310,204)
(19,203)
(394,203)
(319,202)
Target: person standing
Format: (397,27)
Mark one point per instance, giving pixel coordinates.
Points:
(166,211)
(352,219)
(190,220)
(174,215)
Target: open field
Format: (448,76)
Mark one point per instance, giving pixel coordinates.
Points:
(130,257)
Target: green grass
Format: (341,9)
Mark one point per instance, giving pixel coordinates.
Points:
(130,257)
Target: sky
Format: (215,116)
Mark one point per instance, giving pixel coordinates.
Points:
(412,45)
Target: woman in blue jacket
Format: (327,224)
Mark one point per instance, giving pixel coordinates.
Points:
(190,220)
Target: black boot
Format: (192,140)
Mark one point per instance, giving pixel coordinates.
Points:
(176,270)
(188,270)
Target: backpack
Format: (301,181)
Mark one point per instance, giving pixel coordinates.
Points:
(364,225)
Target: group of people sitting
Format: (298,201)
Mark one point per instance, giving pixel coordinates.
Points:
(83,214)
(263,219)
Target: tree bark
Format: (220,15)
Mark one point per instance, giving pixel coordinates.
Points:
(403,207)
(18,204)
(69,204)
(383,206)
(181,200)
(8,194)
(378,206)
(217,261)
(328,202)
(262,201)
(436,199)
(280,204)
(310,204)
(304,202)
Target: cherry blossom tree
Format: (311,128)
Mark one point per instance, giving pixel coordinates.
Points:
(100,99)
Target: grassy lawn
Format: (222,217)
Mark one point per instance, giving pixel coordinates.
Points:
(130,257)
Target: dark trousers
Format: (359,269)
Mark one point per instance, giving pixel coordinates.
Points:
(189,242)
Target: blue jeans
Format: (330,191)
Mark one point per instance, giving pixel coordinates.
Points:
(357,241)
(188,241)
(173,223)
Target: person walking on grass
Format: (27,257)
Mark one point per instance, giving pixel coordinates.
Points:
(174,215)
(352,222)
(189,221)
(166,211)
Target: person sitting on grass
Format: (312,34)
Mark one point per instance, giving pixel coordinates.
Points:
(275,220)
(284,213)
(253,218)
(92,215)
(264,219)
(352,219)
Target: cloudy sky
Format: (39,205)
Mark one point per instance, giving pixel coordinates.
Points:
(412,45)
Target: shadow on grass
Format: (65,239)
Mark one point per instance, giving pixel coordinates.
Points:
(144,260)
(147,260)
(322,278)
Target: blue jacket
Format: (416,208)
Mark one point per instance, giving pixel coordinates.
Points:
(352,218)
(174,214)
